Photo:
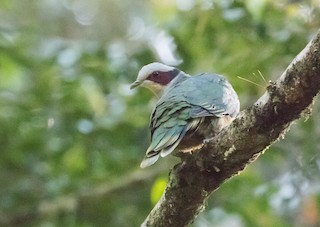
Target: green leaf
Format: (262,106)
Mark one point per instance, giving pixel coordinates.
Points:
(158,189)
(74,159)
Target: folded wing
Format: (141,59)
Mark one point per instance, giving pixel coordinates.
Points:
(183,107)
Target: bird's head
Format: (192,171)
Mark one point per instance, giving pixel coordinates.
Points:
(155,76)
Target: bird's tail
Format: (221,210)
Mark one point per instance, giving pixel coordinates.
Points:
(149,160)
(152,156)
(167,145)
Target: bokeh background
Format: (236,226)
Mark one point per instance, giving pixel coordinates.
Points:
(72,133)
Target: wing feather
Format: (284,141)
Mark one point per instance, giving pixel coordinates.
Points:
(183,107)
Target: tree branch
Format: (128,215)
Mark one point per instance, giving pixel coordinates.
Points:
(253,131)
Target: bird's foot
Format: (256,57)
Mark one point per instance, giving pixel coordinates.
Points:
(208,140)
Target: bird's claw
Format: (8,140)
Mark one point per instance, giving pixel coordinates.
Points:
(208,140)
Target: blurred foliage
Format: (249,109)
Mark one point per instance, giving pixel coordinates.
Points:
(70,126)
(157,189)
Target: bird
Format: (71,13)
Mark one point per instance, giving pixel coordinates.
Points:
(185,104)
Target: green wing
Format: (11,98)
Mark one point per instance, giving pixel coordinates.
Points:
(183,107)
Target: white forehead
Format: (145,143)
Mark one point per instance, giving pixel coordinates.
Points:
(152,67)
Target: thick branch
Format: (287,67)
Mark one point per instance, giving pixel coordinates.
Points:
(254,130)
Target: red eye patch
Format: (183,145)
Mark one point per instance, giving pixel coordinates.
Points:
(163,78)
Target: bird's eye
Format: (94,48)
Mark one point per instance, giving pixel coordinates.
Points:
(155,74)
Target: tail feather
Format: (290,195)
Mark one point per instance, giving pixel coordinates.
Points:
(168,150)
(192,125)
(167,145)
(148,161)
(165,152)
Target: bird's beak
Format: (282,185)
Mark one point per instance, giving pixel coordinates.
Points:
(135,84)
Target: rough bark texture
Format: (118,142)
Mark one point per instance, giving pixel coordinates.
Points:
(253,131)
